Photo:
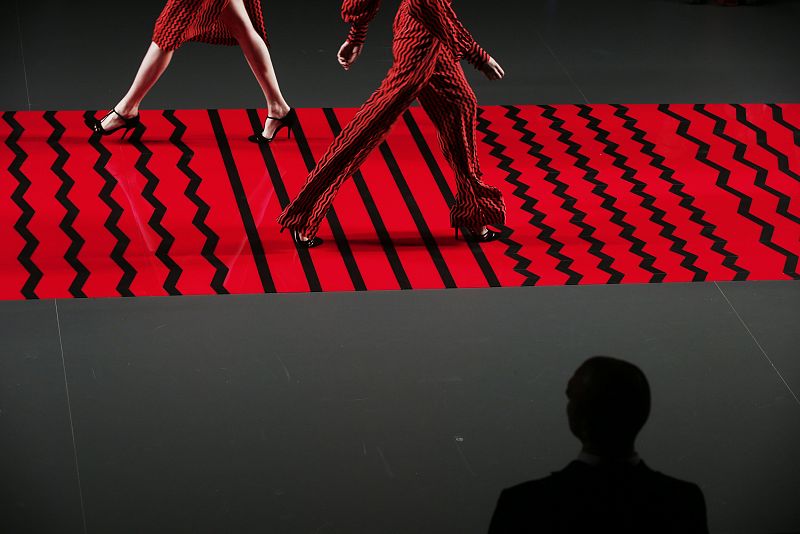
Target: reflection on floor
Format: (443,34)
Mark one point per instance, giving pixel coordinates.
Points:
(595,194)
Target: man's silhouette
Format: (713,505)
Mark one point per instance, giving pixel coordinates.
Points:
(608,488)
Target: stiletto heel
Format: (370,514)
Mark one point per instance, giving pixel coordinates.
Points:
(287,121)
(305,243)
(477,237)
(125,133)
(128,124)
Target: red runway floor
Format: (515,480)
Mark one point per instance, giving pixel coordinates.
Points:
(596,194)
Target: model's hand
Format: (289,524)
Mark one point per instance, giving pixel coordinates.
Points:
(348,53)
(493,70)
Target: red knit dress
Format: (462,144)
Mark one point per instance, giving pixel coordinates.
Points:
(198,20)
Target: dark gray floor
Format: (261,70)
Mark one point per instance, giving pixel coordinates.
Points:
(554,51)
(389,412)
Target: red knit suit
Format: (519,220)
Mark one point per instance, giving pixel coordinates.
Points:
(198,20)
(428,43)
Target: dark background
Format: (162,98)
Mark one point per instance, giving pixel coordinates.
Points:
(80,55)
(397,411)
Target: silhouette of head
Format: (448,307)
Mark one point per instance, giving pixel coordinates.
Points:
(609,401)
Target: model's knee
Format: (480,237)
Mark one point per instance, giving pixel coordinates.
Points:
(464,108)
(406,94)
(469,101)
(463,102)
(401,94)
(237,23)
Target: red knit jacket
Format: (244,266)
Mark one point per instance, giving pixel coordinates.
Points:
(437,16)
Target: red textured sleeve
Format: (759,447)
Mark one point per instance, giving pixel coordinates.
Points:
(359,13)
(440,19)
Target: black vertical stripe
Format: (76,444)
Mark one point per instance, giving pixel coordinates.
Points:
(253,238)
(203,209)
(333,220)
(374,215)
(67,224)
(416,214)
(159,212)
(115,213)
(27,212)
(441,182)
(283,198)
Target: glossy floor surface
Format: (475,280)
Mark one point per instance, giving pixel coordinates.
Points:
(594,194)
(400,411)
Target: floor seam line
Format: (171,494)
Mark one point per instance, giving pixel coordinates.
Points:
(764,352)
(563,67)
(22,53)
(71,425)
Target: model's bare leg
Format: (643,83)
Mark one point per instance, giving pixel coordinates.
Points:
(238,22)
(153,66)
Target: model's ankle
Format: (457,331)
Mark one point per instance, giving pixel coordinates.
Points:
(278,110)
(127,110)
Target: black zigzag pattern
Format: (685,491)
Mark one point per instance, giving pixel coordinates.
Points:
(587,231)
(745,201)
(648,202)
(784,200)
(25,256)
(739,161)
(554,246)
(729,259)
(560,190)
(723,176)
(111,223)
(203,209)
(199,20)
(62,195)
(609,202)
(512,247)
(159,211)
(777,116)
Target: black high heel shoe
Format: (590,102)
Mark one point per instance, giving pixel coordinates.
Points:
(128,124)
(470,235)
(305,243)
(287,121)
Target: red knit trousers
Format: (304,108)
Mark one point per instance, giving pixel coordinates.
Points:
(424,70)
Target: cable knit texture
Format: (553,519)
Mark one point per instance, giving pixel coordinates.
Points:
(359,13)
(428,42)
(437,16)
(198,20)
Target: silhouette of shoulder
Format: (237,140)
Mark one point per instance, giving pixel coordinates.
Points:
(584,498)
